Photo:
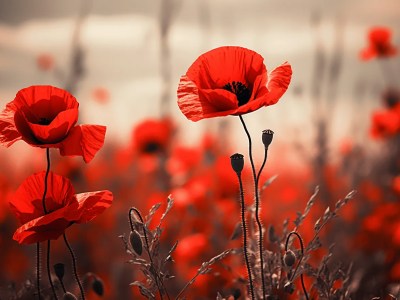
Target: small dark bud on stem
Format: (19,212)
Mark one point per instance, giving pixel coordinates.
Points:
(289,258)
(59,270)
(267,136)
(237,162)
(98,286)
(136,242)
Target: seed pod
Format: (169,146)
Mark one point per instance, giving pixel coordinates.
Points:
(69,296)
(289,258)
(136,242)
(98,286)
(237,162)
(267,136)
(59,270)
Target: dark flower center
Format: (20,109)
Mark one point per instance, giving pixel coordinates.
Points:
(44,121)
(241,91)
(152,147)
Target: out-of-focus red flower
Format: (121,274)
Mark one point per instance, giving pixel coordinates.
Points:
(183,160)
(152,136)
(379,45)
(45,117)
(101,95)
(386,123)
(391,97)
(396,184)
(63,205)
(230,81)
(45,62)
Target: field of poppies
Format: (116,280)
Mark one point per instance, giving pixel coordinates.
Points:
(237,213)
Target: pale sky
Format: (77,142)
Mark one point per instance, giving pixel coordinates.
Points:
(121,40)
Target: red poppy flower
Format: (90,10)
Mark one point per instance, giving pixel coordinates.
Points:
(230,81)
(386,123)
(64,207)
(152,135)
(379,44)
(45,116)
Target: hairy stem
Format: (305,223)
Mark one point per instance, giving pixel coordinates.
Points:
(74,266)
(146,240)
(257,206)
(246,256)
(298,264)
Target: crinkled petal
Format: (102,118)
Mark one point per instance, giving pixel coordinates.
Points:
(278,83)
(83,140)
(8,132)
(92,204)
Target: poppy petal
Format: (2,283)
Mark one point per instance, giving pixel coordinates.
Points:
(83,140)
(222,65)
(92,204)
(47,227)
(278,83)
(8,132)
(27,200)
(58,129)
(44,102)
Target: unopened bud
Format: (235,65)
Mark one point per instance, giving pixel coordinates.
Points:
(98,286)
(267,136)
(59,270)
(237,162)
(69,296)
(289,258)
(136,242)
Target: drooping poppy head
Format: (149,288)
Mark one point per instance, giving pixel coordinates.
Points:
(152,136)
(230,81)
(63,207)
(379,44)
(45,116)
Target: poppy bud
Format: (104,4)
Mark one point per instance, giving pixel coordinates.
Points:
(237,162)
(289,258)
(267,136)
(289,287)
(136,242)
(69,296)
(59,270)
(98,286)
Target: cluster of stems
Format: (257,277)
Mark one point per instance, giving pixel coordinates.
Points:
(237,165)
(49,247)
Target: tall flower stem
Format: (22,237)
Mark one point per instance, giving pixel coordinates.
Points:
(246,256)
(38,269)
(46,212)
(48,270)
(74,266)
(298,264)
(257,207)
(146,240)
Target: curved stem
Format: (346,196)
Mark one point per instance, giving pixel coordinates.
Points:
(48,270)
(45,181)
(158,280)
(38,269)
(257,206)
(298,264)
(74,266)
(246,256)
